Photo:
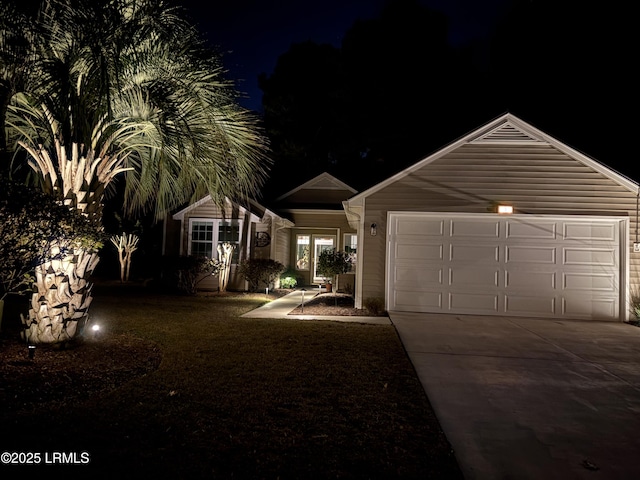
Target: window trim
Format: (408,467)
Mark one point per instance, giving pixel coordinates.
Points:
(216,229)
(307,268)
(344,247)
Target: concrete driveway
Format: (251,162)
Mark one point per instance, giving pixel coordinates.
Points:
(522,398)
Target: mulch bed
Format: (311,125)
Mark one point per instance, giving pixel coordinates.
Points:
(338,304)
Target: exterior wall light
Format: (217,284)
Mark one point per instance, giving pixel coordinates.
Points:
(374,229)
(505,209)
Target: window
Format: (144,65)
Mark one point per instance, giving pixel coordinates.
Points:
(201,238)
(351,247)
(302,252)
(320,244)
(206,235)
(229,232)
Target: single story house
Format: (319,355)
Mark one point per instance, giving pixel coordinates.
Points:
(309,219)
(503,221)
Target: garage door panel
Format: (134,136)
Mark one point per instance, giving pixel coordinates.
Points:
(474,253)
(547,266)
(590,232)
(590,282)
(596,257)
(530,305)
(475,229)
(473,277)
(422,227)
(528,231)
(598,308)
(530,280)
(410,276)
(473,302)
(421,252)
(530,254)
(412,301)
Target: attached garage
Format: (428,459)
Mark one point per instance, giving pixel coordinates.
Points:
(430,238)
(542,266)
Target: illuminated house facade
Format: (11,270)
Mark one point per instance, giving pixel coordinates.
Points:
(503,221)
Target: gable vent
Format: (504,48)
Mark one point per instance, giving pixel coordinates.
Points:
(506,133)
(322,183)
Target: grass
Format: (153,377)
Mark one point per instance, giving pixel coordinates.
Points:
(213,395)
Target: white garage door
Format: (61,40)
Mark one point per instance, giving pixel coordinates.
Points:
(521,265)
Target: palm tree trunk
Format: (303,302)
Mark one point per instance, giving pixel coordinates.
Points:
(62,291)
(61,298)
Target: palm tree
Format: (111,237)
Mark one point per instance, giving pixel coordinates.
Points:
(14,61)
(124,89)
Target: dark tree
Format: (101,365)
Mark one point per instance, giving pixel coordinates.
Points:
(396,67)
(569,66)
(303,108)
(382,101)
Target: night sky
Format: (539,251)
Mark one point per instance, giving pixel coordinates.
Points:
(252,34)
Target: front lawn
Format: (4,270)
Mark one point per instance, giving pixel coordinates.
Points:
(195,391)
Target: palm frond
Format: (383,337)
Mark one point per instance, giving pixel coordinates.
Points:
(133,89)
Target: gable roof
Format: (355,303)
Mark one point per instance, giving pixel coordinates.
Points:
(324,181)
(255,210)
(322,193)
(506,129)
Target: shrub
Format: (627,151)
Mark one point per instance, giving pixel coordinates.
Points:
(288,278)
(31,223)
(260,271)
(184,273)
(634,302)
(374,305)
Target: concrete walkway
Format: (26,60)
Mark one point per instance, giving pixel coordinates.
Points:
(523,398)
(281,307)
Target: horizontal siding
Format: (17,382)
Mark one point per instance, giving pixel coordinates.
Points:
(535,179)
(321,220)
(283,246)
(208,210)
(319,196)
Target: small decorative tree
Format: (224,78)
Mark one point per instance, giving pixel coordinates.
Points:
(332,263)
(126,245)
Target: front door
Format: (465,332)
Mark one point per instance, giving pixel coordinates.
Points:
(320,244)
